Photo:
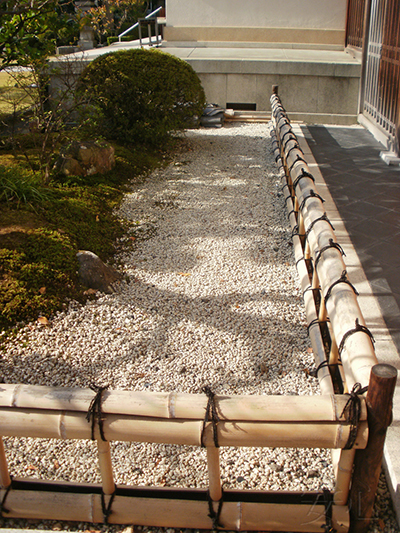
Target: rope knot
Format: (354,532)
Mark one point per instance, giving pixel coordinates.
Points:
(211,414)
(328,501)
(94,413)
(352,412)
(215,515)
(358,327)
(106,509)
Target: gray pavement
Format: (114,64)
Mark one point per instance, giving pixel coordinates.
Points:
(362,198)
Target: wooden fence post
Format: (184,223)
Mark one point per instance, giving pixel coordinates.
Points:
(368,462)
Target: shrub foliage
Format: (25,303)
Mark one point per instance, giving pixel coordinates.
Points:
(142,95)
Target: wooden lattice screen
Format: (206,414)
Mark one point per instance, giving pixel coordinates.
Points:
(355,23)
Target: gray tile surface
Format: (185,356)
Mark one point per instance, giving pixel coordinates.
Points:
(367,194)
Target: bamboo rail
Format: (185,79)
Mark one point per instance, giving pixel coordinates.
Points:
(340,419)
(173,405)
(358,356)
(347,347)
(183,508)
(264,421)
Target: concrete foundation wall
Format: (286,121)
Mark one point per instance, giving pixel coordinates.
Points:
(316,99)
(315,87)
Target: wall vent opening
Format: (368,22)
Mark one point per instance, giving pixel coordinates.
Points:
(241,107)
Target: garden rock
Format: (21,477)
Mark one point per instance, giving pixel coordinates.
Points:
(93,273)
(85,158)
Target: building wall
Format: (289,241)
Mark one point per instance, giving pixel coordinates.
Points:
(257,20)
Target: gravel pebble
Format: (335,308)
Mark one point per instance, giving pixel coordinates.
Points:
(211,296)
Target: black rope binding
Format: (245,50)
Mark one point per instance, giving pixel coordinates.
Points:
(309,288)
(289,132)
(3,509)
(299,260)
(303,174)
(331,244)
(215,515)
(292,211)
(292,138)
(295,162)
(106,509)
(295,147)
(279,115)
(328,501)
(323,217)
(287,197)
(323,364)
(211,413)
(352,411)
(94,413)
(358,327)
(342,279)
(314,322)
(312,194)
(295,231)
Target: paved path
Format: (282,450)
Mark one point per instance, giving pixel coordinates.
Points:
(366,194)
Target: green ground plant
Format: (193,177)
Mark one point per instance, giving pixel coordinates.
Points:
(20,186)
(40,234)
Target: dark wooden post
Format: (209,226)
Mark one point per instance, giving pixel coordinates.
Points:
(275,89)
(368,462)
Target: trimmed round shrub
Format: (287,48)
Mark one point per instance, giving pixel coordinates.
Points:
(142,95)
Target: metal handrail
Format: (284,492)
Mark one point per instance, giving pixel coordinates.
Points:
(137,23)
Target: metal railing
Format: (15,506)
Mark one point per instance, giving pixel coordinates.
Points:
(137,24)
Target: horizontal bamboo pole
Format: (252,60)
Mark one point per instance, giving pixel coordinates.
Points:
(73,425)
(162,511)
(258,408)
(324,376)
(342,307)
(358,356)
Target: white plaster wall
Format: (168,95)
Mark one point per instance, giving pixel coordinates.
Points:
(320,14)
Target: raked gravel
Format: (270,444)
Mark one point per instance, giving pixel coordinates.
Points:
(211,297)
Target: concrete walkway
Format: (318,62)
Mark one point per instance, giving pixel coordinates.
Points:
(362,198)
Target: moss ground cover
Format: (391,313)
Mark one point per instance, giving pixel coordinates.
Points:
(42,228)
(138,100)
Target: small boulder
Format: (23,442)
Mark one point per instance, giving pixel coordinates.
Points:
(85,158)
(93,273)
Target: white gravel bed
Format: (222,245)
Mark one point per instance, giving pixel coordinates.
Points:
(211,297)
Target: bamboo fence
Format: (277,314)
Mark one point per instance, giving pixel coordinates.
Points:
(342,345)
(345,363)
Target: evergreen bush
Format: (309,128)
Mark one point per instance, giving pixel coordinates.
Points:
(142,95)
